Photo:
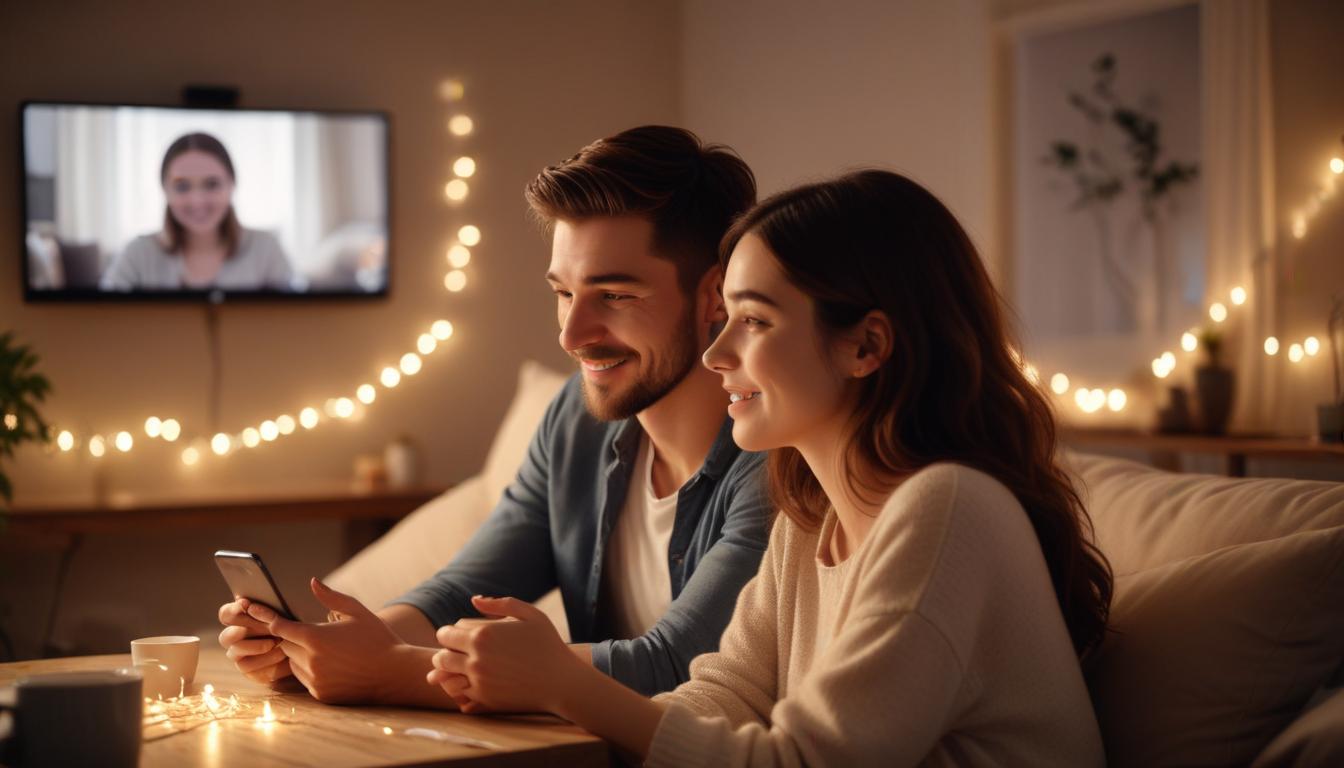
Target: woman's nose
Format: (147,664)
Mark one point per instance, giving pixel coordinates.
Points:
(720,356)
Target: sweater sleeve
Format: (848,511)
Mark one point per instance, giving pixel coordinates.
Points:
(739,682)
(881,694)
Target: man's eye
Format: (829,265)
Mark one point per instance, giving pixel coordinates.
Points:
(561,294)
(615,296)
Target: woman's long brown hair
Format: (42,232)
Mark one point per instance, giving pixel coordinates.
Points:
(951,389)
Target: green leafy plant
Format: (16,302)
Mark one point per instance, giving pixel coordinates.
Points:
(22,388)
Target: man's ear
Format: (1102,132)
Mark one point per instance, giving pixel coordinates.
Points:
(709,297)
(869,344)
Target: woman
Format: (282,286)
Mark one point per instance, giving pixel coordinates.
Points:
(928,593)
(202,246)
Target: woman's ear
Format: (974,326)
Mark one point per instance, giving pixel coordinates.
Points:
(870,344)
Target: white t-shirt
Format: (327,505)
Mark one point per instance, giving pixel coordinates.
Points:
(639,587)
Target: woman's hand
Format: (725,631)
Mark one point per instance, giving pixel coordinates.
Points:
(517,664)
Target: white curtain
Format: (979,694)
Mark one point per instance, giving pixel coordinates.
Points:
(1238,177)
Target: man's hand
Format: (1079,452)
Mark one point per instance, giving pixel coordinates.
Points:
(519,664)
(343,661)
(249,645)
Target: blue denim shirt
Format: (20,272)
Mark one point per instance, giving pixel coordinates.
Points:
(551,526)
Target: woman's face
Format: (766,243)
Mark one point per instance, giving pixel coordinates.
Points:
(199,191)
(775,362)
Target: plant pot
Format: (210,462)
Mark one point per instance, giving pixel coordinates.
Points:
(1214,387)
(1330,422)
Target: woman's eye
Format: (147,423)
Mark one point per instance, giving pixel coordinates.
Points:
(752,321)
(212,184)
(181,187)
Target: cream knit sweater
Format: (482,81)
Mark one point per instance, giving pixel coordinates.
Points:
(939,642)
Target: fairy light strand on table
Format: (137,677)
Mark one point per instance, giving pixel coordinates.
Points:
(1092,400)
(343,406)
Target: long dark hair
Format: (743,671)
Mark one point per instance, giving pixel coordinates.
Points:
(951,389)
(175,236)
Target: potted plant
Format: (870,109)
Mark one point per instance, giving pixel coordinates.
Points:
(21,389)
(1213,385)
(1330,416)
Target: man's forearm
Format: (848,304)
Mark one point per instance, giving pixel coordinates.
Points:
(405,684)
(408,623)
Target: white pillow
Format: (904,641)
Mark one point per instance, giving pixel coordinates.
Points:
(537,387)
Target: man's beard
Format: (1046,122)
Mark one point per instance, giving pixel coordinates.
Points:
(664,375)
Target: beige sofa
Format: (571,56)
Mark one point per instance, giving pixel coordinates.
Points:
(1228,618)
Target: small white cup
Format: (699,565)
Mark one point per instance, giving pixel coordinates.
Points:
(168,663)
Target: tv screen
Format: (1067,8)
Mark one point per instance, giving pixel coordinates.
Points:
(134,202)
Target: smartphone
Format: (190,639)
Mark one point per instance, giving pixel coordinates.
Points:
(247,576)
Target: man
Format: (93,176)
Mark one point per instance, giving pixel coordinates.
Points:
(633,499)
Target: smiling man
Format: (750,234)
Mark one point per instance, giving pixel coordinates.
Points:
(633,498)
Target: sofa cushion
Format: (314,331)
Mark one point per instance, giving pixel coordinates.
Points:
(537,387)
(1314,740)
(1212,656)
(1228,609)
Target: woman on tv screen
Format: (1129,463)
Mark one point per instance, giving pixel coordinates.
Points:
(202,245)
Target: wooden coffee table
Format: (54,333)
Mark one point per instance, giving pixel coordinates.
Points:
(300,731)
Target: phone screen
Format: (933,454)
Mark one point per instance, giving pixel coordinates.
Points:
(248,577)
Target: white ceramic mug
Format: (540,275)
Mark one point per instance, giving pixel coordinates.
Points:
(75,718)
(168,663)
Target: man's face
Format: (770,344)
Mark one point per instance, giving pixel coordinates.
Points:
(622,313)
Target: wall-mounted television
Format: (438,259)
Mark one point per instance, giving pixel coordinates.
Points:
(125,202)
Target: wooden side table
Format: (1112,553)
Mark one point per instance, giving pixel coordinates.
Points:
(1165,450)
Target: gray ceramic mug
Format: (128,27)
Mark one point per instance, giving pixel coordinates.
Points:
(75,718)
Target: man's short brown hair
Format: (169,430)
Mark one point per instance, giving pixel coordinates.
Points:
(691,191)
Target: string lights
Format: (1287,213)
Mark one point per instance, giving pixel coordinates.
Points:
(341,407)
(1091,400)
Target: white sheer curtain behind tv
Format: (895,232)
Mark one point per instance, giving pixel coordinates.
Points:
(300,176)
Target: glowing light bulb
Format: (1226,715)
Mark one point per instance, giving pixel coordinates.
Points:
(442,329)
(455,280)
(1295,353)
(1160,369)
(469,235)
(97,446)
(65,441)
(345,408)
(1189,342)
(1311,345)
(285,423)
(1116,399)
(460,125)
(269,430)
(153,426)
(464,166)
(251,437)
(452,90)
(390,377)
(459,256)
(1096,400)
(1217,312)
(171,430)
(1059,383)
(123,441)
(1336,165)
(308,417)
(426,343)
(410,363)
(456,190)
(1271,346)
(1238,295)
(1168,359)
(329,407)
(366,393)
(190,456)
(1080,397)
(220,443)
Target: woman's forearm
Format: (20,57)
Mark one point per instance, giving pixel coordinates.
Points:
(599,704)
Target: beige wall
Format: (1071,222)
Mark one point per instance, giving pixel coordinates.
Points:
(805,89)
(542,79)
